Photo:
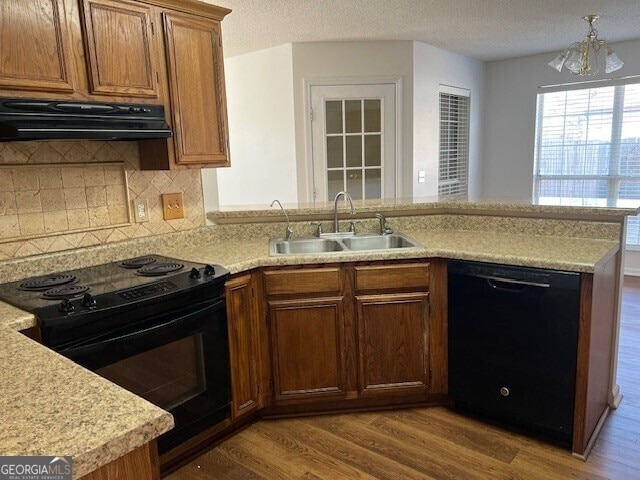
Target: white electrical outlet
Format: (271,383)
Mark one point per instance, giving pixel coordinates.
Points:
(141,210)
(421,176)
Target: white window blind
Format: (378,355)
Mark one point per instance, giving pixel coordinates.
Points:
(454,144)
(588,147)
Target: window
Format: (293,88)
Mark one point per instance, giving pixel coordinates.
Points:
(454,144)
(588,148)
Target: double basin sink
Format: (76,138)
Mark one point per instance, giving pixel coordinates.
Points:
(339,243)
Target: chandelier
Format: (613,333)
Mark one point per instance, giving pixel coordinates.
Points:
(581,58)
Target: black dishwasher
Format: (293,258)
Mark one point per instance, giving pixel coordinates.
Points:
(513,340)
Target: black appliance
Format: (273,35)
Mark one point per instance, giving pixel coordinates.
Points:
(153,325)
(513,340)
(31,119)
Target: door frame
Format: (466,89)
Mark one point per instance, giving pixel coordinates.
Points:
(396,81)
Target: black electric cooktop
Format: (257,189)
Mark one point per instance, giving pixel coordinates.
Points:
(105,286)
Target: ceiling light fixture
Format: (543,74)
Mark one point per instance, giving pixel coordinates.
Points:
(581,58)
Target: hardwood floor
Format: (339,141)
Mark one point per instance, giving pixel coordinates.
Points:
(432,443)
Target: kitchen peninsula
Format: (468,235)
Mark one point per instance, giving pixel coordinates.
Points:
(576,239)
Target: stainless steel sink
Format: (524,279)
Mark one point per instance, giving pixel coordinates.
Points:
(340,243)
(297,246)
(377,242)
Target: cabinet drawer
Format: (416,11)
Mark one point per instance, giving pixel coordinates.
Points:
(412,275)
(308,280)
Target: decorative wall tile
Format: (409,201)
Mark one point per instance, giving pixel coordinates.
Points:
(24,180)
(55,207)
(6,181)
(52,200)
(28,201)
(72,178)
(31,224)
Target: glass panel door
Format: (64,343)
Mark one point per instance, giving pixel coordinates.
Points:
(354,147)
(354,141)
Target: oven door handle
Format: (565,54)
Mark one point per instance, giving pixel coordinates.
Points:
(95,344)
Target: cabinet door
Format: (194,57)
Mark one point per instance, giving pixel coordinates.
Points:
(120,53)
(307,344)
(196,86)
(34,46)
(393,332)
(242,313)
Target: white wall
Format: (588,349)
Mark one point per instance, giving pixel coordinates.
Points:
(351,59)
(433,67)
(632,263)
(510,113)
(261,132)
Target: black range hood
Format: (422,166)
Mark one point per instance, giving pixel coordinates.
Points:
(31,119)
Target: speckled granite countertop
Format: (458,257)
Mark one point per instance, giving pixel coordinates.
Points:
(510,206)
(558,253)
(52,406)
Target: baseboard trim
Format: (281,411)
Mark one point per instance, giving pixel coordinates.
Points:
(632,272)
(615,397)
(594,436)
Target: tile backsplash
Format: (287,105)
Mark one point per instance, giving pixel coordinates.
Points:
(67,194)
(39,199)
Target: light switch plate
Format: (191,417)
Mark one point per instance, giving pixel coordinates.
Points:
(141,210)
(172,206)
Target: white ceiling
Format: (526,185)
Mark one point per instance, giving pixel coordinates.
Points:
(482,29)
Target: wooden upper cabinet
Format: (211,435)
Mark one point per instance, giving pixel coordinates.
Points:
(34,46)
(196,87)
(121,58)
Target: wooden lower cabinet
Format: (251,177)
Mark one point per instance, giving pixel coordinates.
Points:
(139,464)
(360,333)
(244,345)
(393,343)
(307,345)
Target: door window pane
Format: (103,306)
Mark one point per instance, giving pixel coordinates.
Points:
(353,116)
(334,152)
(354,184)
(354,151)
(372,116)
(335,182)
(334,116)
(372,183)
(372,150)
(353,144)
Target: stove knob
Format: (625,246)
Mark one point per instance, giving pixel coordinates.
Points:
(88,301)
(209,270)
(66,306)
(195,273)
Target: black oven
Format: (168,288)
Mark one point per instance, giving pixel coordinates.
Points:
(155,326)
(178,360)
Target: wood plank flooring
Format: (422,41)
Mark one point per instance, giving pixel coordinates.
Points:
(432,443)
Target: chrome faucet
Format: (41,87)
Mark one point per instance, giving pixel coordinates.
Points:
(384,227)
(336,227)
(288,232)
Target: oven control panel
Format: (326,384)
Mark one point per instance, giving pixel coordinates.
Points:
(146,290)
